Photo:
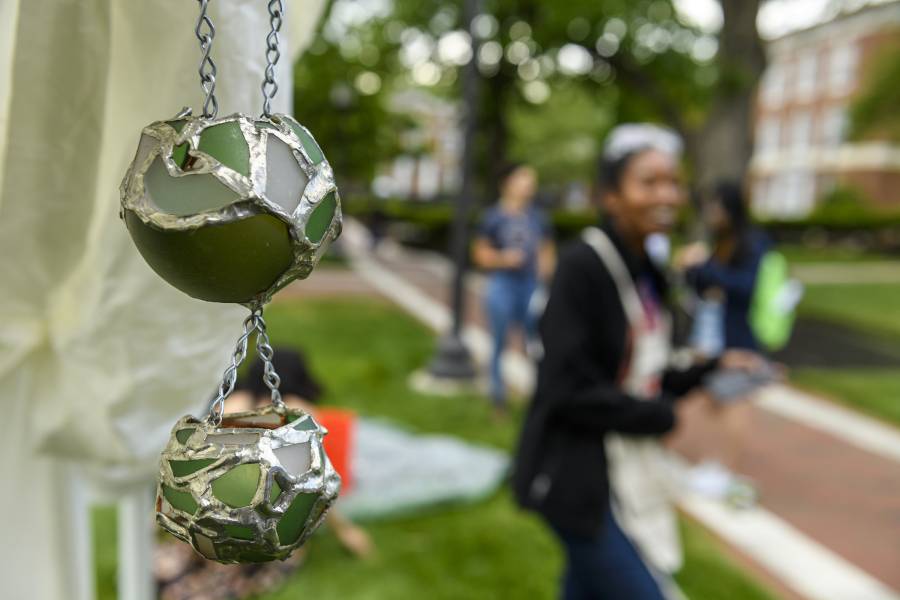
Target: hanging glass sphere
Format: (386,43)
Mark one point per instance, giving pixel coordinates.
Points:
(249,490)
(230,209)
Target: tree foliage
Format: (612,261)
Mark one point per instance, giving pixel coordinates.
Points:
(567,71)
(874,113)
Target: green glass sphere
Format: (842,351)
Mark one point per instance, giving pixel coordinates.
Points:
(252,489)
(230,209)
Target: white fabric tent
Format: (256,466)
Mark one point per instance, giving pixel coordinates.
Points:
(98,356)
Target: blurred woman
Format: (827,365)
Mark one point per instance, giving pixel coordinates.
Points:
(724,280)
(589,459)
(514,244)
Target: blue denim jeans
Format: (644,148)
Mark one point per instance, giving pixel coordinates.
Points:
(506,304)
(606,567)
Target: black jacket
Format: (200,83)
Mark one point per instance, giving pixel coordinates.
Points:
(560,469)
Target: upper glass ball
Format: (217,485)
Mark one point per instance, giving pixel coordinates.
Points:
(230,209)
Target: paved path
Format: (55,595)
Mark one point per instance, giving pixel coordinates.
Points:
(828,525)
(842,273)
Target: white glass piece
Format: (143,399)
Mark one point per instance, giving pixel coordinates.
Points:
(233,439)
(285,180)
(294,458)
(146,145)
(188,195)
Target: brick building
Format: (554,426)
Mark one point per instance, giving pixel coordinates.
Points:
(801,125)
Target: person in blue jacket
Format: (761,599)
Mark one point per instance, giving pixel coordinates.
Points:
(728,271)
(724,279)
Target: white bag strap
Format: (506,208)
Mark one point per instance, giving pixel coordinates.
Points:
(603,246)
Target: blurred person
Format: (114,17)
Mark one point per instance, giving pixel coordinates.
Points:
(589,459)
(724,280)
(514,244)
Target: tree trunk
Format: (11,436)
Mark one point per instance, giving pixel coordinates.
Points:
(724,145)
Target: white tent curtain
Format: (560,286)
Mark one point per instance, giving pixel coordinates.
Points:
(98,356)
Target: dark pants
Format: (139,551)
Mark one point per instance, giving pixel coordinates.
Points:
(605,567)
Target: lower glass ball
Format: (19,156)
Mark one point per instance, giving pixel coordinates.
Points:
(251,490)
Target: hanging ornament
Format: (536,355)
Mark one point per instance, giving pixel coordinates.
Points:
(232,209)
(249,486)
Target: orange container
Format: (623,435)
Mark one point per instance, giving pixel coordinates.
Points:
(341,426)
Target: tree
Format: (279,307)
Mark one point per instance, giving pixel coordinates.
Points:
(874,111)
(544,62)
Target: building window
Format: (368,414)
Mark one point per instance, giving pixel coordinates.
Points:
(805,81)
(833,126)
(768,135)
(791,195)
(773,85)
(842,68)
(801,130)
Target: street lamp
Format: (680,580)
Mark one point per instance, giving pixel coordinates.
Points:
(452,359)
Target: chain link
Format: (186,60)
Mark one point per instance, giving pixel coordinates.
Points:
(206,32)
(253,322)
(269,85)
(229,378)
(266,353)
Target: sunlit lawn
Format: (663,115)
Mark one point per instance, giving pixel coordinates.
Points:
(873,391)
(873,308)
(364,352)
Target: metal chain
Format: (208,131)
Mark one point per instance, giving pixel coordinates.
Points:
(253,322)
(207,66)
(229,378)
(269,85)
(266,353)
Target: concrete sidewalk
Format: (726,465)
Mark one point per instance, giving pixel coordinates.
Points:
(828,525)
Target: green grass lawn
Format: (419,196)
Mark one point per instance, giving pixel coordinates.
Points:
(796,253)
(364,352)
(871,307)
(873,391)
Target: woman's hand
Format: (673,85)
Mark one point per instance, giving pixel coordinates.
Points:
(743,360)
(512,258)
(691,256)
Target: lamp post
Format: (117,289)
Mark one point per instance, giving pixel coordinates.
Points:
(452,359)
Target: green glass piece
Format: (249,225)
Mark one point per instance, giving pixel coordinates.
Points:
(183,468)
(321,217)
(179,154)
(291,524)
(237,487)
(291,417)
(274,492)
(188,195)
(309,144)
(306,425)
(180,500)
(225,142)
(253,556)
(182,435)
(239,532)
(232,262)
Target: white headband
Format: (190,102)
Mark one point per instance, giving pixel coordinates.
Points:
(632,137)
